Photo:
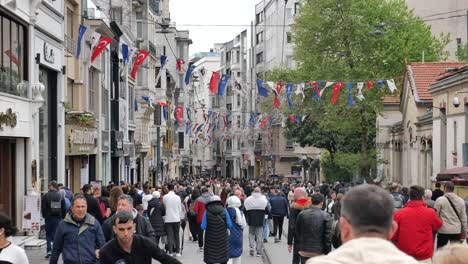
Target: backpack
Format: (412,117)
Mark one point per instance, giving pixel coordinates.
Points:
(55,207)
(398,200)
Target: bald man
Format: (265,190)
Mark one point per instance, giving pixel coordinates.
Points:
(256,207)
(300,203)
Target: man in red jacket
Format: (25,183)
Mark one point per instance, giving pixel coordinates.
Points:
(416,225)
(200,209)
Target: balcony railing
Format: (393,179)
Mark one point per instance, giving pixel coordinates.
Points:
(70,44)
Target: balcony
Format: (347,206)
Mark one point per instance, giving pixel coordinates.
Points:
(70,44)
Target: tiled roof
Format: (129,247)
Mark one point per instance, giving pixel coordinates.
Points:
(426,73)
(391,99)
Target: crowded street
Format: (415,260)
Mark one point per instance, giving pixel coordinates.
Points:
(233,131)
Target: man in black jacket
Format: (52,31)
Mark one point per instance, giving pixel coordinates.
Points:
(256,207)
(128,247)
(93,203)
(142,225)
(301,202)
(53,210)
(313,230)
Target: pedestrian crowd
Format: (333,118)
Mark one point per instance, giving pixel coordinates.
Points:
(327,223)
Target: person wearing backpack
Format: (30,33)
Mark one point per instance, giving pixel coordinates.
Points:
(192,215)
(53,209)
(398,198)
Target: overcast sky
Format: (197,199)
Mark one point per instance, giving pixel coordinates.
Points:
(211,12)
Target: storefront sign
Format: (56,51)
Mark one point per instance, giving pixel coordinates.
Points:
(32,213)
(49,55)
(8,119)
(81,141)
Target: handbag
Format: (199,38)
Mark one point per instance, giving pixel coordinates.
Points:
(462,231)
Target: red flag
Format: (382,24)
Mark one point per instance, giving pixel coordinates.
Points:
(179,64)
(292,118)
(214,82)
(265,121)
(369,85)
(139,60)
(179,113)
(12,56)
(276,102)
(103,42)
(162,104)
(336,91)
(316,88)
(279,86)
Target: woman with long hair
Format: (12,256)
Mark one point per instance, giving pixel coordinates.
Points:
(10,253)
(114,195)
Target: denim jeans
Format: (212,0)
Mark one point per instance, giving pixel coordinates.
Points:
(266,228)
(51,224)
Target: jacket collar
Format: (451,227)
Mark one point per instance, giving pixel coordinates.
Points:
(89,221)
(416,203)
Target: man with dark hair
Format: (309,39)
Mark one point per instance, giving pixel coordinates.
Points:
(366,225)
(142,225)
(93,204)
(452,211)
(79,236)
(53,209)
(437,192)
(313,230)
(199,208)
(174,214)
(416,225)
(128,247)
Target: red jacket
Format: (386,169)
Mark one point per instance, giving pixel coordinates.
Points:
(416,225)
(199,206)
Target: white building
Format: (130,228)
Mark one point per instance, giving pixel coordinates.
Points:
(31,111)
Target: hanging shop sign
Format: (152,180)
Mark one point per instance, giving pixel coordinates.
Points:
(81,141)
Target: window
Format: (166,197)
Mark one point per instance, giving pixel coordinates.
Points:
(158,85)
(70,95)
(259,58)
(259,18)
(92,89)
(259,38)
(228,56)
(70,27)
(289,144)
(131,103)
(238,100)
(117,14)
(290,13)
(238,122)
(229,91)
(229,144)
(238,56)
(229,72)
(181,140)
(238,74)
(13,64)
(229,107)
(297,7)
(139,29)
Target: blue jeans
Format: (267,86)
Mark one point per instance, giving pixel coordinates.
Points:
(51,224)
(266,229)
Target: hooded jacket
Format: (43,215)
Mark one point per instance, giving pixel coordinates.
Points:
(296,207)
(199,206)
(216,222)
(143,226)
(365,250)
(156,216)
(77,242)
(256,207)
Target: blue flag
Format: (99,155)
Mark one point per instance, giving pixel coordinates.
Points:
(252,119)
(165,113)
(187,128)
(380,83)
(261,89)
(146,98)
(188,113)
(298,120)
(81,33)
(163,60)
(188,74)
(289,89)
(350,94)
(125,53)
(209,114)
(222,84)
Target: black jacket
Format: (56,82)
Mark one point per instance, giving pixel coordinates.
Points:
(279,206)
(313,231)
(143,227)
(436,194)
(296,208)
(143,251)
(52,199)
(156,216)
(93,208)
(216,235)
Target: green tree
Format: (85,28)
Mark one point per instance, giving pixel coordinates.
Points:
(333,42)
(462,52)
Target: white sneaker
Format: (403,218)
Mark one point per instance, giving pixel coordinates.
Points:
(178,255)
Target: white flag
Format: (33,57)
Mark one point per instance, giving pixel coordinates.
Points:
(300,90)
(359,94)
(131,52)
(326,85)
(391,85)
(95,37)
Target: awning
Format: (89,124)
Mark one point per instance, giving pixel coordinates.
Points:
(454,173)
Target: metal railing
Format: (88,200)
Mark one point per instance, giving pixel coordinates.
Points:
(70,44)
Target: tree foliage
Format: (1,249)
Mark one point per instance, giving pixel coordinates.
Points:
(333,42)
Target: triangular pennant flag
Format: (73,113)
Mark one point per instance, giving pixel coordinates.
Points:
(179,113)
(162,60)
(328,84)
(300,90)
(139,60)
(214,82)
(187,128)
(289,89)
(261,89)
(316,92)
(95,37)
(360,95)
(350,94)
(380,83)
(336,91)
(131,52)
(81,32)
(369,85)
(265,121)
(125,53)
(189,115)
(391,85)
(277,91)
(100,47)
